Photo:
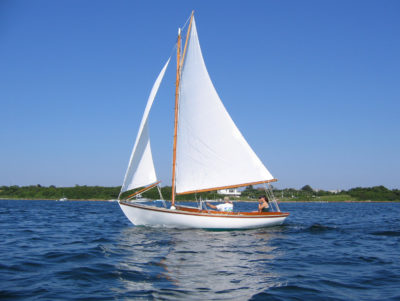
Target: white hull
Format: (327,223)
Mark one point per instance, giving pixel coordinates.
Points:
(161,217)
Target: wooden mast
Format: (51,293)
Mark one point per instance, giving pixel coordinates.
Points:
(179,63)
(178,53)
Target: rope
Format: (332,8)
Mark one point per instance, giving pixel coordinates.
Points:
(184,25)
(270,194)
(161,196)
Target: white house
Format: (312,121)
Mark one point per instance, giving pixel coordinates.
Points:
(230,191)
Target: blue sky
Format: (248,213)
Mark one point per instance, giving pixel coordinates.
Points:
(314,86)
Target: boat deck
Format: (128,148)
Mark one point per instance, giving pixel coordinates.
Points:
(252,213)
(195,211)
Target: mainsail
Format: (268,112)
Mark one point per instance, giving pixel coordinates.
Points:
(211,151)
(140,171)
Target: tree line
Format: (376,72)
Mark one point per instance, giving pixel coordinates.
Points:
(78,192)
(307,193)
(84,192)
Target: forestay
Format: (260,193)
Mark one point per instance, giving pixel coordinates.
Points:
(211,151)
(140,171)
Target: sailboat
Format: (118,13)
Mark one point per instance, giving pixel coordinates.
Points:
(206,144)
(63,199)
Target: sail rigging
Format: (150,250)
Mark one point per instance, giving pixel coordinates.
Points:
(211,151)
(141,171)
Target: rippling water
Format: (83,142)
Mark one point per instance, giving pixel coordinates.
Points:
(89,250)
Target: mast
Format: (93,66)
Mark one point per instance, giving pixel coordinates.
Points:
(178,53)
(179,63)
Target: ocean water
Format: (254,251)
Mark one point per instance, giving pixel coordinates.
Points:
(90,251)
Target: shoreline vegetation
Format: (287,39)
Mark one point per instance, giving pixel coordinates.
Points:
(249,194)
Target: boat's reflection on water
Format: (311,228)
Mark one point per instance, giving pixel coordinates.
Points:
(200,264)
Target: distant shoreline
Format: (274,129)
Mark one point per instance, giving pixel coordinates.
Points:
(249,194)
(248,201)
(55,200)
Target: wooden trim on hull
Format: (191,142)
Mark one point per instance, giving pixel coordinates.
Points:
(209,213)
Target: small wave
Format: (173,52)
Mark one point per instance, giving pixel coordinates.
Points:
(101,240)
(186,252)
(63,256)
(386,233)
(373,259)
(87,272)
(317,228)
(304,228)
(287,292)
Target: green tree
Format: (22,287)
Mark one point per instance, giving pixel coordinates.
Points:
(307,188)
